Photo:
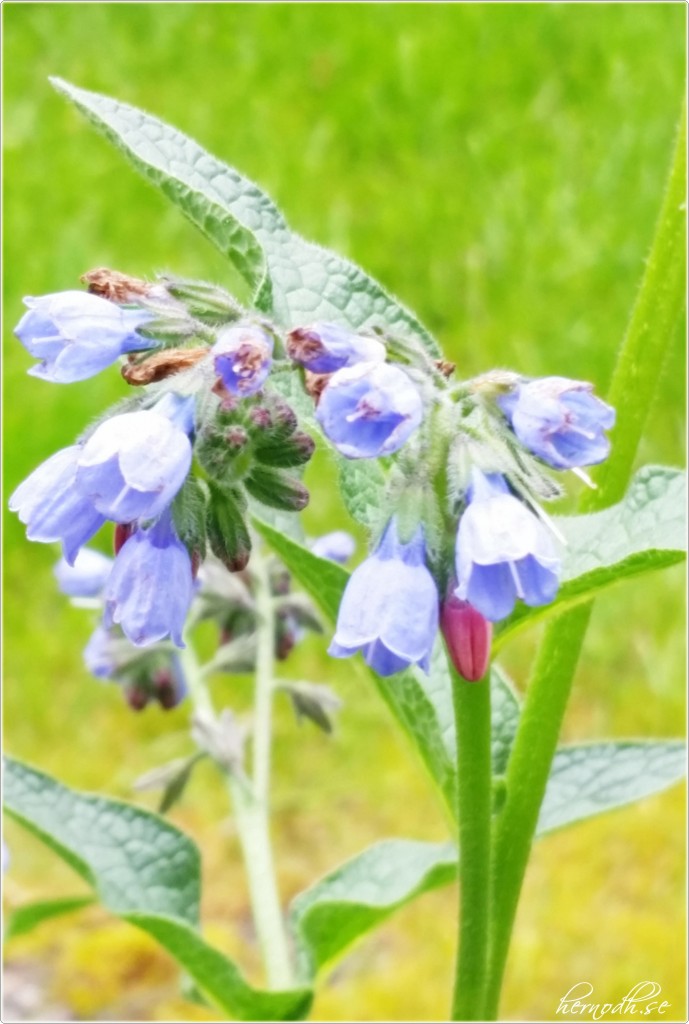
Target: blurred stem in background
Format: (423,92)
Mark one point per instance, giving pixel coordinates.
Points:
(655,316)
(251,797)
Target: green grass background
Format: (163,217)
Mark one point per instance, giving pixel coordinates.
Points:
(499,167)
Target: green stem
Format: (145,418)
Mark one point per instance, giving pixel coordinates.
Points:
(251,803)
(253,810)
(654,318)
(254,836)
(472,716)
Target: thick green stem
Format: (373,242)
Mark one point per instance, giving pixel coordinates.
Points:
(527,776)
(472,715)
(654,318)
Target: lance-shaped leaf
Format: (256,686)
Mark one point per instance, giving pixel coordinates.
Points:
(593,778)
(337,910)
(645,531)
(25,919)
(148,873)
(295,281)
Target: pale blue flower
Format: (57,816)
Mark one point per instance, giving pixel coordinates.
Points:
(324,348)
(369,410)
(133,464)
(389,609)
(560,420)
(52,507)
(503,551)
(76,335)
(151,586)
(88,575)
(338,546)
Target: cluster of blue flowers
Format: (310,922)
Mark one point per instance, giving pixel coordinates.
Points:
(128,471)
(504,550)
(217,410)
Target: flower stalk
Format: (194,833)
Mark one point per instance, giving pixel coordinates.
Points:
(251,802)
(474,796)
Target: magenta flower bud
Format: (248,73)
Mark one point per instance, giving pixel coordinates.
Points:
(467,637)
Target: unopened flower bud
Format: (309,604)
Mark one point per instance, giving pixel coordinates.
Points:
(467,636)
(137,697)
(277,489)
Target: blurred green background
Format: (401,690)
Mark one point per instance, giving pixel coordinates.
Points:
(499,167)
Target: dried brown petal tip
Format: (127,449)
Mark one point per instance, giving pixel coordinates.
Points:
(111,284)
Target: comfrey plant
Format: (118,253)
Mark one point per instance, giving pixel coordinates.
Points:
(200,472)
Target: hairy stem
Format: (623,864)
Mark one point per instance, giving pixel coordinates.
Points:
(251,803)
(253,809)
(654,318)
(472,715)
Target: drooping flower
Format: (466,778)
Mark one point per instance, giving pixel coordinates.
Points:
(133,464)
(338,546)
(76,335)
(51,506)
(389,609)
(503,551)
(560,421)
(88,575)
(242,358)
(324,348)
(468,637)
(154,674)
(369,410)
(151,585)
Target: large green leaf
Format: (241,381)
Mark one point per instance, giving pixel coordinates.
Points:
(361,893)
(585,780)
(592,778)
(645,531)
(145,871)
(295,281)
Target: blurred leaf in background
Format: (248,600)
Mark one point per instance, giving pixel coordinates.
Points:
(499,168)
